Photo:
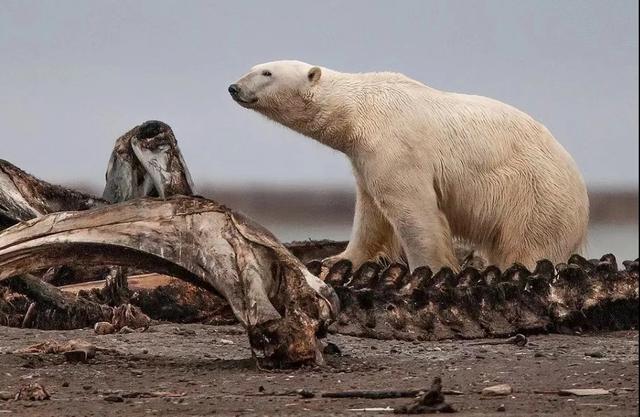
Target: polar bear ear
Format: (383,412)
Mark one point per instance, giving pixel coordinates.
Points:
(314,74)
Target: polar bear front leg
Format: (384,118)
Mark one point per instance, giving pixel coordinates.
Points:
(422,227)
(371,236)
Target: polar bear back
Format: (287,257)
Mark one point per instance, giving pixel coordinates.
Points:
(501,176)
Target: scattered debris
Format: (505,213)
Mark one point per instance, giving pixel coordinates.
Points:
(73,350)
(431,401)
(32,392)
(498,390)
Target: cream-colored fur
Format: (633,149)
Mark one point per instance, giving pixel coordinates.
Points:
(432,165)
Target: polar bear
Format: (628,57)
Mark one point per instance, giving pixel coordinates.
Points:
(431,166)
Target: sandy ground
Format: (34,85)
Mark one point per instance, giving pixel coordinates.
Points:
(211,370)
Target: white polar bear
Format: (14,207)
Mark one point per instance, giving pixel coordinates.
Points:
(431,165)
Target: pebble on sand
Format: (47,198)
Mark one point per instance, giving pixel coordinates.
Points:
(103,327)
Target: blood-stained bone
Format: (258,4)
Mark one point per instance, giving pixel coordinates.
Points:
(271,293)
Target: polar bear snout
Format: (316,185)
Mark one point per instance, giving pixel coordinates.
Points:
(241,95)
(234,90)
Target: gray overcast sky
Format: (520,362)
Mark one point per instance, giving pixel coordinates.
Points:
(74,75)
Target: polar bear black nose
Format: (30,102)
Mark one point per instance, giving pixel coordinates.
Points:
(234,89)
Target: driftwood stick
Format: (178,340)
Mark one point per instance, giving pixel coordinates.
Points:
(376,395)
(518,340)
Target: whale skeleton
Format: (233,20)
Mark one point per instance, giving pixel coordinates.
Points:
(287,306)
(271,293)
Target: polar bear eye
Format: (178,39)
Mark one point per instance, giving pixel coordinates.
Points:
(266,73)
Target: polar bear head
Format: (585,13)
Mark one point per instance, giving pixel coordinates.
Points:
(281,90)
